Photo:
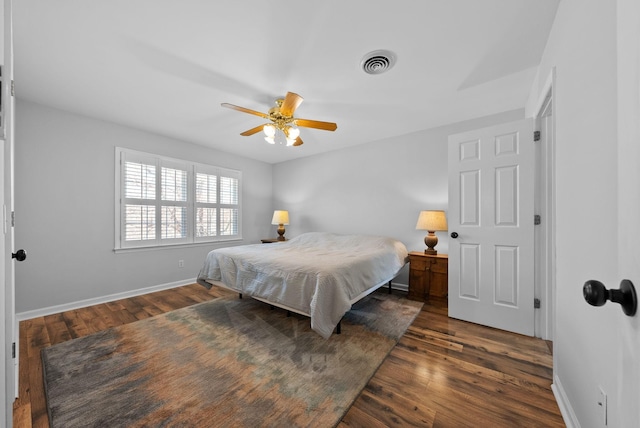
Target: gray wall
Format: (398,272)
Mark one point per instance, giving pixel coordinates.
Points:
(374,188)
(65,199)
(590,346)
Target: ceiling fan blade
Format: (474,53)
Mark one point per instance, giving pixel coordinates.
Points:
(245,110)
(290,104)
(298,142)
(326,126)
(252,131)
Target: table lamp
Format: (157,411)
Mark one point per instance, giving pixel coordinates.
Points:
(431,221)
(280,218)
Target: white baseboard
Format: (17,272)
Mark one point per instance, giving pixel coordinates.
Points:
(400,287)
(568,414)
(21,316)
(27,315)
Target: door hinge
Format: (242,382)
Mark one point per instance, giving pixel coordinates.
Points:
(536,303)
(537,219)
(536,135)
(13,350)
(13,219)
(13,89)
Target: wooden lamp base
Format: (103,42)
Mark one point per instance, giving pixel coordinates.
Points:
(431,240)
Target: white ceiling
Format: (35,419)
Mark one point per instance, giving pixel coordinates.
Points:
(165,66)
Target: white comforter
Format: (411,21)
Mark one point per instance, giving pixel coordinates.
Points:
(318,274)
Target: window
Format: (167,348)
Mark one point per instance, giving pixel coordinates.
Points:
(164,201)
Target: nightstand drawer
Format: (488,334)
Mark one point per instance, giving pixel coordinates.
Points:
(419,263)
(440,266)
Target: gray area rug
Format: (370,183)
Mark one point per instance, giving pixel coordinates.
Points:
(226,362)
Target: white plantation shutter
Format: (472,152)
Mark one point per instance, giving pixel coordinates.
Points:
(228,190)
(138,214)
(206,205)
(228,206)
(164,201)
(217,203)
(174,203)
(140,179)
(140,222)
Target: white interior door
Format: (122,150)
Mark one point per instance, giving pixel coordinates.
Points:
(627,329)
(9,337)
(491,199)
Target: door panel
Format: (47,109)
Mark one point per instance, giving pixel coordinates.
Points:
(469,271)
(491,208)
(506,196)
(470,198)
(507,284)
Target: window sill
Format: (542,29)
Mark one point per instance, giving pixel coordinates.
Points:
(174,246)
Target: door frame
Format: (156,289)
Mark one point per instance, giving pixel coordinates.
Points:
(545,233)
(4,342)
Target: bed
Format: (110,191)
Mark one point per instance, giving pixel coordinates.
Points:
(316,274)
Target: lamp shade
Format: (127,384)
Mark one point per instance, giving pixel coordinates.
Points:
(280,217)
(269,130)
(432,220)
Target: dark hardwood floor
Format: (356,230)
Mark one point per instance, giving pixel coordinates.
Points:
(442,373)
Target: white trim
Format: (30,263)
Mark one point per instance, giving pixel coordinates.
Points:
(569,416)
(174,246)
(99,300)
(400,287)
(549,90)
(546,89)
(2,100)
(545,269)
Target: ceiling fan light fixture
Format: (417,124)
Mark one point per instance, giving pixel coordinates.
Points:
(269,131)
(284,126)
(292,132)
(378,62)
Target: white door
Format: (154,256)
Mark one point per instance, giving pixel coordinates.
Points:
(9,336)
(626,357)
(491,253)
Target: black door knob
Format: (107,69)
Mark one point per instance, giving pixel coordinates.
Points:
(19,255)
(596,294)
(454,235)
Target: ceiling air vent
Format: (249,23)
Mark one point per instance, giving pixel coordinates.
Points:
(377,62)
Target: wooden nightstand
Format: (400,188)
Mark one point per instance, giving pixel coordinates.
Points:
(270,240)
(428,275)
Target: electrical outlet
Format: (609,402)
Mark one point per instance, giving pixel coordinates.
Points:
(180,263)
(602,403)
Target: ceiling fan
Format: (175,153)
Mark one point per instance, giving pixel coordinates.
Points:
(282,119)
